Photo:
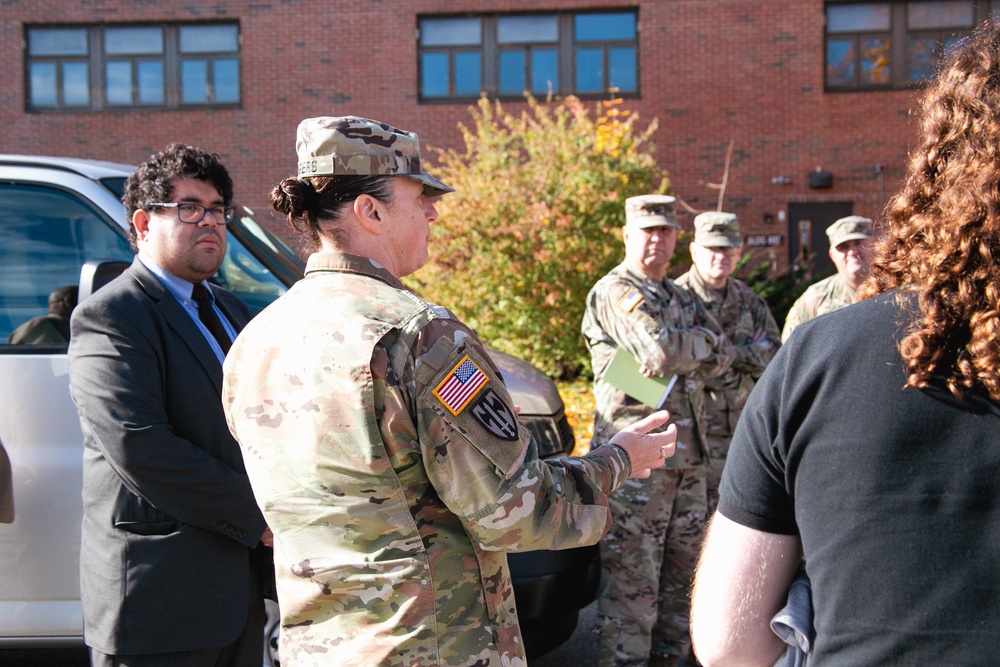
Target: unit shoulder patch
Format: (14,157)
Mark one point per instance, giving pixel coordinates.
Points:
(493,414)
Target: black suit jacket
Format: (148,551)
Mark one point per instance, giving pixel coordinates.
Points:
(169,516)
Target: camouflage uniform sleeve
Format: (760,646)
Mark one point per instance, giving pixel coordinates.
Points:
(722,353)
(798,314)
(754,357)
(655,340)
(483,463)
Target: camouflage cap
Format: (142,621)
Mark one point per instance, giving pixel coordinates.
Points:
(651,211)
(353,146)
(715,229)
(849,228)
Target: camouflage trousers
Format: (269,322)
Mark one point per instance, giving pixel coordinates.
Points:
(649,557)
(718,448)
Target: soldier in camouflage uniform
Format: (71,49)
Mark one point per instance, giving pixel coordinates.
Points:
(850,250)
(746,321)
(650,552)
(380,440)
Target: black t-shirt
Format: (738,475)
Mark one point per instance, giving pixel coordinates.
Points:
(894,492)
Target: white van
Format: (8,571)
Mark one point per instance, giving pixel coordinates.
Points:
(62,218)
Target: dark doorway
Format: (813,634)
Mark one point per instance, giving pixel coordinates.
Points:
(807,225)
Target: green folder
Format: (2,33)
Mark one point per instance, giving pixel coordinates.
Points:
(623,373)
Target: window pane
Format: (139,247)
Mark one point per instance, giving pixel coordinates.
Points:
(924,53)
(840,67)
(866,16)
(590,27)
(246,276)
(875,61)
(194,81)
(226,78)
(919,56)
(621,66)
(76,84)
(544,71)
(512,72)
(589,71)
(118,41)
(940,14)
(434,75)
(151,82)
(57,42)
(118,80)
(43,84)
(953,42)
(450,32)
(468,74)
(209,39)
(527,29)
(45,237)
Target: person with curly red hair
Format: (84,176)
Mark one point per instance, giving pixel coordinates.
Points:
(869,446)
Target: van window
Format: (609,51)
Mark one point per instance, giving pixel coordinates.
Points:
(246,276)
(46,235)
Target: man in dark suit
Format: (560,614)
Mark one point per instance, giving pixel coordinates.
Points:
(171,556)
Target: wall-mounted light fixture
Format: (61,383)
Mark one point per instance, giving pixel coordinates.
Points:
(820,180)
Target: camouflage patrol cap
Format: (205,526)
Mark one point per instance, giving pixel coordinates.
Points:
(651,211)
(715,229)
(849,228)
(353,146)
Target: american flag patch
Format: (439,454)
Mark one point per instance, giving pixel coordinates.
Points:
(461,384)
(630,300)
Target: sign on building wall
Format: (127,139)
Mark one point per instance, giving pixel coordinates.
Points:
(763,240)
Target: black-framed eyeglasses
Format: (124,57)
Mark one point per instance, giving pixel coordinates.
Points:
(192,214)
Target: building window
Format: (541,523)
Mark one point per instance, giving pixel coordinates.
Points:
(128,66)
(450,65)
(882,45)
(506,55)
(528,49)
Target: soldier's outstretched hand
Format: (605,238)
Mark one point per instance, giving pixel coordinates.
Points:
(647,450)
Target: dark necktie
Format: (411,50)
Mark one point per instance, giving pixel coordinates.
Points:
(206,313)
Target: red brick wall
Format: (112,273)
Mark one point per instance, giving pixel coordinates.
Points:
(711,72)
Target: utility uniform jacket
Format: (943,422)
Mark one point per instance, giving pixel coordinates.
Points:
(749,325)
(824,297)
(668,332)
(385,452)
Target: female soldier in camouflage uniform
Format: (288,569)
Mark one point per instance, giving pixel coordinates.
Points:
(380,440)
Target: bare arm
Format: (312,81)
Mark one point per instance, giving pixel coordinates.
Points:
(741,582)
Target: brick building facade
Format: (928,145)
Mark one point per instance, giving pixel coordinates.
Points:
(750,72)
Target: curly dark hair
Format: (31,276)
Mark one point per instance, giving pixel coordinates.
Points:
(942,239)
(313,206)
(152,181)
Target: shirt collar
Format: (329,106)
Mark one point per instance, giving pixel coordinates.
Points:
(329,260)
(178,287)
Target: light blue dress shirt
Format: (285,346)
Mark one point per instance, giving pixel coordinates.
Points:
(181,290)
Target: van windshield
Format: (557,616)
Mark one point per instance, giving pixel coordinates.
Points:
(258,266)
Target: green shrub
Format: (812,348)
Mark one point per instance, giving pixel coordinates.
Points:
(535,221)
(780,291)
